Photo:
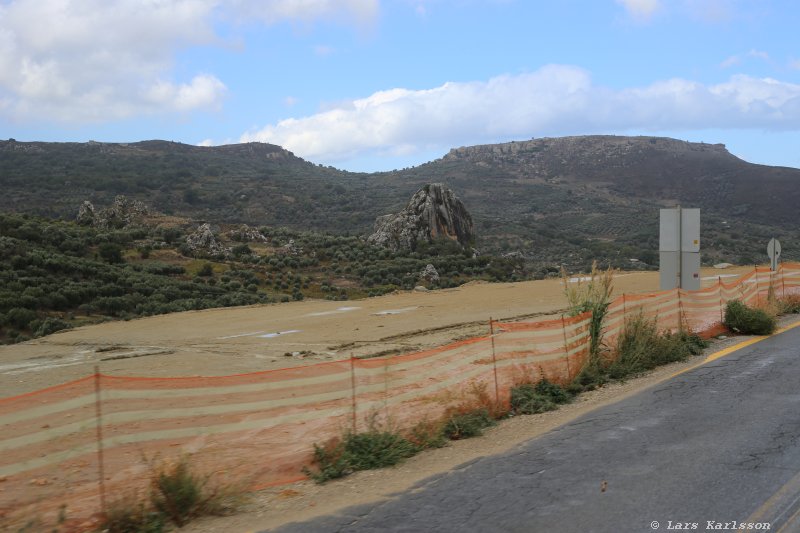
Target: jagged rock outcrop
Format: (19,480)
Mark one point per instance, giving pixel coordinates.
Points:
(245,233)
(434,212)
(429,274)
(86,215)
(203,242)
(122,213)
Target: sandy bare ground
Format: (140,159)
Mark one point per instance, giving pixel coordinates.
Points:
(305,500)
(249,339)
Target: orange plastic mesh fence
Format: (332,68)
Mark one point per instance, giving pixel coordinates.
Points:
(258,429)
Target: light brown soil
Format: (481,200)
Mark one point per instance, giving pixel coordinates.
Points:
(237,340)
(305,500)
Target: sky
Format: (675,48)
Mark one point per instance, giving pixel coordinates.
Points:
(369,85)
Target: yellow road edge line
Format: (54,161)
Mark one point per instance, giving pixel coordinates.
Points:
(794,483)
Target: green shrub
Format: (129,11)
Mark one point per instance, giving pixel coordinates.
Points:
(375,448)
(747,320)
(553,391)
(528,399)
(641,347)
(180,495)
(126,517)
(48,326)
(469,424)
(20,317)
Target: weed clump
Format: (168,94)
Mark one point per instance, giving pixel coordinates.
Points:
(593,295)
(748,320)
(126,517)
(375,448)
(177,495)
(527,399)
(467,424)
(789,304)
(641,347)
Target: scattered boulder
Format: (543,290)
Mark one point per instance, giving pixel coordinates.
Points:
(291,248)
(434,212)
(723,265)
(86,215)
(203,242)
(421,288)
(429,274)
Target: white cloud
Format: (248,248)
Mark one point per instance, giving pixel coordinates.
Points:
(731,61)
(99,60)
(640,9)
(204,91)
(554,100)
(362,12)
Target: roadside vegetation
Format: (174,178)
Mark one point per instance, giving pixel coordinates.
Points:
(746,320)
(176,496)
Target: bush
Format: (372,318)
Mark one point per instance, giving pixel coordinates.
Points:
(641,347)
(176,494)
(180,495)
(375,448)
(124,517)
(466,425)
(748,320)
(525,401)
(545,396)
(20,317)
(50,325)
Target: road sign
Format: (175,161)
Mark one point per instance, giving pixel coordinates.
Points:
(774,253)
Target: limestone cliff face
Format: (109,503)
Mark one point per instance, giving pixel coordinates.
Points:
(434,212)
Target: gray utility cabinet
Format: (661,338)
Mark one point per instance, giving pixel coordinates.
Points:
(679,249)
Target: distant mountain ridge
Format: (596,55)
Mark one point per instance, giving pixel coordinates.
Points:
(554,199)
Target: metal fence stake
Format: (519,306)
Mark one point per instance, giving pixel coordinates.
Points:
(494,364)
(99,416)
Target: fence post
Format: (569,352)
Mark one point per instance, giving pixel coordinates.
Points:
(494,364)
(680,312)
(353,385)
(721,305)
(566,347)
(783,280)
(758,289)
(99,416)
(624,312)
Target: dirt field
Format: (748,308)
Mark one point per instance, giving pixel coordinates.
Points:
(249,339)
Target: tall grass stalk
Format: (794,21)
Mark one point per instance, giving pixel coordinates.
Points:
(593,295)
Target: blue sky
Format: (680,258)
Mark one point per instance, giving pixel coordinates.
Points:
(381,84)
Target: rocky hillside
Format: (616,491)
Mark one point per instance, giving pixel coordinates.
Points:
(561,200)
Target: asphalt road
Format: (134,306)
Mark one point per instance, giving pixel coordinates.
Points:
(720,443)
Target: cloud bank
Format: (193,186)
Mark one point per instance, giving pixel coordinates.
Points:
(98,61)
(554,100)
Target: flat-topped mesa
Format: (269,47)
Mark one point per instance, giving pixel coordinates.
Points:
(434,212)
